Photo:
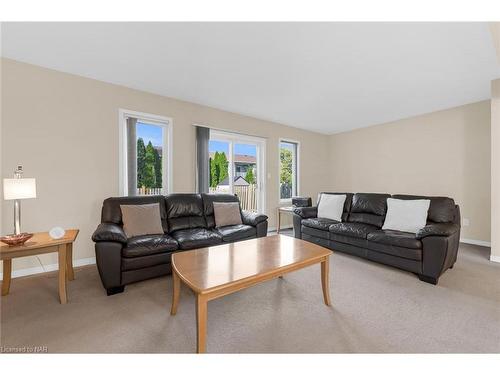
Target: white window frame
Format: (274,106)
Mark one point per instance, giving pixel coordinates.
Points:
(167,155)
(232,137)
(295,167)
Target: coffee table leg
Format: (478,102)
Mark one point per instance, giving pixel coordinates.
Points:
(325,282)
(7,269)
(201,323)
(62,274)
(176,282)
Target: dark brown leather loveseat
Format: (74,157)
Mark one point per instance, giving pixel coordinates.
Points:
(188,223)
(428,253)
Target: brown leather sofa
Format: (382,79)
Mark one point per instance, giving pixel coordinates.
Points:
(428,253)
(188,223)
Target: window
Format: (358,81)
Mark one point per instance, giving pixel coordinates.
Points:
(236,165)
(288,169)
(145,154)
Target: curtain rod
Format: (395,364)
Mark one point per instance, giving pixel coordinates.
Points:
(228,131)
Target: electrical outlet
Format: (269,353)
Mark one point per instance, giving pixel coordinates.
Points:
(465,222)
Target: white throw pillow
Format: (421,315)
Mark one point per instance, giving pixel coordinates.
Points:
(331,206)
(406,215)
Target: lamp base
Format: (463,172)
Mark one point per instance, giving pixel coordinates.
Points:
(17,217)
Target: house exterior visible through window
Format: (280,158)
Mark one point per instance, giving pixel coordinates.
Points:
(144,154)
(236,166)
(288,169)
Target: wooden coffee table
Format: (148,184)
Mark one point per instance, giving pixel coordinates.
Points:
(216,271)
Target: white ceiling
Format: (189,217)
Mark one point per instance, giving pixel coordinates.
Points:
(326,77)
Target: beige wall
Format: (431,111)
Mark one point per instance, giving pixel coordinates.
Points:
(495,170)
(64,130)
(441,153)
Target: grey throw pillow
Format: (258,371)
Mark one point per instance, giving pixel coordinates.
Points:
(227,213)
(141,219)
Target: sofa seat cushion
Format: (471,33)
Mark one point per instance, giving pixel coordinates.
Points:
(395,238)
(319,223)
(196,238)
(357,230)
(148,245)
(232,233)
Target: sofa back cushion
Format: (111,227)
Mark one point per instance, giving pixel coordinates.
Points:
(208,205)
(112,213)
(347,203)
(368,208)
(185,211)
(441,209)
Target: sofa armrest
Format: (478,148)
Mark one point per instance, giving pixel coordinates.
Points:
(252,218)
(439,252)
(297,226)
(261,229)
(438,229)
(109,232)
(306,212)
(108,256)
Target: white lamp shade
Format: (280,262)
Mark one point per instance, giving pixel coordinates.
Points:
(19,188)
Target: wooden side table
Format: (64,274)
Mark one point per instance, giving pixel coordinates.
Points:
(286,210)
(42,243)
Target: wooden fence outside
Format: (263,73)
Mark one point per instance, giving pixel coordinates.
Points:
(246,194)
(149,191)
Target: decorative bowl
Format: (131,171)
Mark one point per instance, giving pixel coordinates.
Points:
(16,239)
(57,233)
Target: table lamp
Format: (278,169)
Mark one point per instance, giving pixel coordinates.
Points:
(18,188)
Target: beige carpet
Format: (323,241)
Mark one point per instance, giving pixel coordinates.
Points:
(375,309)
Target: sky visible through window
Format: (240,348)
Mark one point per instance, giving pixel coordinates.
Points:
(239,149)
(153,133)
(287,146)
(149,133)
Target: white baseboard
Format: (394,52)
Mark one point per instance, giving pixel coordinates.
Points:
(495,258)
(475,242)
(48,268)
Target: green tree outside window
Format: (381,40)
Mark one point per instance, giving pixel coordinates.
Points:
(286,166)
(219,168)
(249,176)
(149,162)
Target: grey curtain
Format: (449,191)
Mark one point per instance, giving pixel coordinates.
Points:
(131,156)
(202,159)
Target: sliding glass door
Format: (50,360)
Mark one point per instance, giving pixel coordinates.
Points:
(237,167)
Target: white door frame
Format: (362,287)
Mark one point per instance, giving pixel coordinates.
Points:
(260,143)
